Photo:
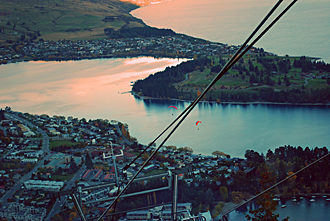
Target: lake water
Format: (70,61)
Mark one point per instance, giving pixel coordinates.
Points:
(96,89)
(297,211)
(304,30)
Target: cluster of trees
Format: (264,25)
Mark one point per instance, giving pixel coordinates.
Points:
(267,94)
(308,65)
(160,84)
(273,72)
(64,147)
(286,160)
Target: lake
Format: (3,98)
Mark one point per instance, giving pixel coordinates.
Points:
(300,210)
(98,89)
(304,30)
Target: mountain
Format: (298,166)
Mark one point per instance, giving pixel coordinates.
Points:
(63,19)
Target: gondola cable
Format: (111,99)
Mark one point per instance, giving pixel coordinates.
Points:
(186,112)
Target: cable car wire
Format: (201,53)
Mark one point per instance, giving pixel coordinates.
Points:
(196,100)
(186,112)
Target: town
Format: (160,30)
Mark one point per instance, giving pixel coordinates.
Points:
(163,46)
(42,156)
(31,168)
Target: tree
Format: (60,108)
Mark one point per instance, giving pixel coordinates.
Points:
(200,208)
(88,162)
(281,170)
(145,156)
(218,209)
(224,192)
(198,93)
(57,217)
(218,154)
(73,165)
(287,82)
(209,197)
(267,206)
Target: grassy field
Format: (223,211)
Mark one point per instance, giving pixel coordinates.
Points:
(153,172)
(232,81)
(63,19)
(56,143)
(62,177)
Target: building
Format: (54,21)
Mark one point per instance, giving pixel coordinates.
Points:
(139,215)
(45,185)
(20,212)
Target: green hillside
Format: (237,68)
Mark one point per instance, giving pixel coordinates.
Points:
(63,19)
(257,77)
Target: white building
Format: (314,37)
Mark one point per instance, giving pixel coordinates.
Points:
(44,185)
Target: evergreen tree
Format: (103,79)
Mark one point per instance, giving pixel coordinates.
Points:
(88,162)
(73,165)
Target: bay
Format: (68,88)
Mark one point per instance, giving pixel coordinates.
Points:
(304,30)
(97,88)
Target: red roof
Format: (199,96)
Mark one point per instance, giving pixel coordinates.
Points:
(109,176)
(112,170)
(98,173)
(87,172)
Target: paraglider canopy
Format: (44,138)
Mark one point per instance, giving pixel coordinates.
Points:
(173,107)
(198,122)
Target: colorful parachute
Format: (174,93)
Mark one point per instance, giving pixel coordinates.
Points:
(173,107)
(198,122)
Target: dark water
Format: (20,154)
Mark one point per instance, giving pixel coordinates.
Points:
(304,30)
(296,211)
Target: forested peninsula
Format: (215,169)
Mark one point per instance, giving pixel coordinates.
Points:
(258,77)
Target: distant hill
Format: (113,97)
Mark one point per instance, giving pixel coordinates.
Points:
(63,19)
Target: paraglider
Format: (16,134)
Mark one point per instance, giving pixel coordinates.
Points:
(198,122)
(173,107)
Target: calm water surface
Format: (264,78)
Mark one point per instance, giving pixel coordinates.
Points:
(304,30)
(96,89)
(297,211)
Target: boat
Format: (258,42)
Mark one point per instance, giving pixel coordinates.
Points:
(294,200)
(283,206)
(327,199)
(312,200)
(276,199)
(313,196)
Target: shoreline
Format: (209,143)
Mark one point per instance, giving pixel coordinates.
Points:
(232,102)
(230,205)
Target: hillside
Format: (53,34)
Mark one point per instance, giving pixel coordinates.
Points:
(63,19)
(257,77)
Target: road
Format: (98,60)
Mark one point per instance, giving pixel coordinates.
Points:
(121,135)
(45,148)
